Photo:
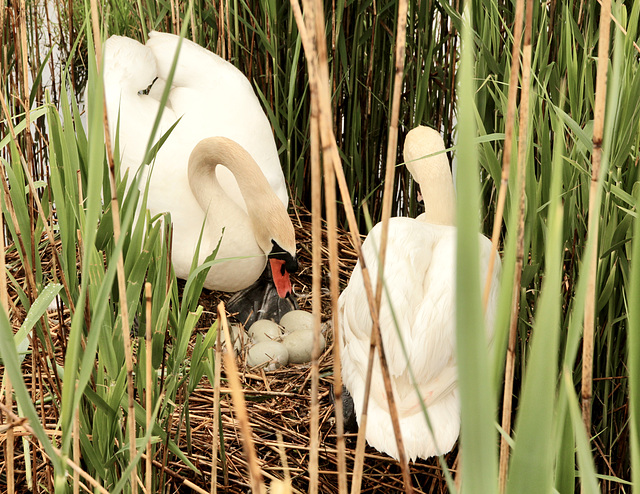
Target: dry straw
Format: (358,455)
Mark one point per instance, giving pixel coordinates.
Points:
(595,198)
(523,131)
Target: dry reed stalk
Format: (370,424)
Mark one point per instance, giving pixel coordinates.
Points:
(257,484)
(216,412)
(23,69)
(4,302)
(148,383)
(318,55)
(309,40)
(495,237)
(220,43)
(316,286)
(122,282)
(24,56)
(9,458)
(193,26)
(376,340)
(3,69)
(283,459)
(594,217)
(175,21)
(506,152)
(228,29)
(521,167)
(332,238)
(334,288)
(392,145)
(194,487)
(72,36)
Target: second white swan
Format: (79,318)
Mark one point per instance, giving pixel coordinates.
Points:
(419,298)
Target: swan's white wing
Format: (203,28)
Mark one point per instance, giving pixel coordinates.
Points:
(420,279)
(417,301)
(215,98)
(129,68)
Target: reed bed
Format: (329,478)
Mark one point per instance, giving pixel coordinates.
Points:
(277,406)
(538,103)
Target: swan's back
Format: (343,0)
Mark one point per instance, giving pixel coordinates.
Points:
(418,307)
(130,68)
(418,303)
(214,71)
(215,99)
(229,109)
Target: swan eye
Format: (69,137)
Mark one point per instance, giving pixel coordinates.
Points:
(290,263)
(145,92)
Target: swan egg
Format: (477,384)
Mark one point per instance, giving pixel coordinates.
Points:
(299,343)
(297,319)
(269,354)
(264,330)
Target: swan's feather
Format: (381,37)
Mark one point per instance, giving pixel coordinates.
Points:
(215,99)
(420,287)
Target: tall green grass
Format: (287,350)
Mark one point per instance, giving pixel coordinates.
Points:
(550,447)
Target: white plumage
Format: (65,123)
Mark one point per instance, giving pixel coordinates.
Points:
(211,98)
(420,287)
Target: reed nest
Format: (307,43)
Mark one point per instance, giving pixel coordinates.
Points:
(277,403)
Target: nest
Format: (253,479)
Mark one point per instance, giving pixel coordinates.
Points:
(278,405)
(279,402)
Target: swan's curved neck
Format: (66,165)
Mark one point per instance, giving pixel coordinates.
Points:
(267,213)
(432,174)
(438,193)
(211,152)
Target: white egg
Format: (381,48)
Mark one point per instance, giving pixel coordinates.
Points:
(297,319)
(299,343)
(264,330)
(270,354)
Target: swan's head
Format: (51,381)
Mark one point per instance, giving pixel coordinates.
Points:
(128,64)
(423,141)
(279,243)
(282,263)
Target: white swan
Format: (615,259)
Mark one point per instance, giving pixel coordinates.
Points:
(247,196)
(420,278)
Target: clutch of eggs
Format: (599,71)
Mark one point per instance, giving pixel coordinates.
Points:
(277,345)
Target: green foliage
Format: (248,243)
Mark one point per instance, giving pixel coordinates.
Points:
(477,395)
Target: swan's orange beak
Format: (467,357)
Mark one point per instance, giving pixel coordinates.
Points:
(280,277)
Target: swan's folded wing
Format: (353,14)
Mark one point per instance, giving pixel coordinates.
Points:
(214,98)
